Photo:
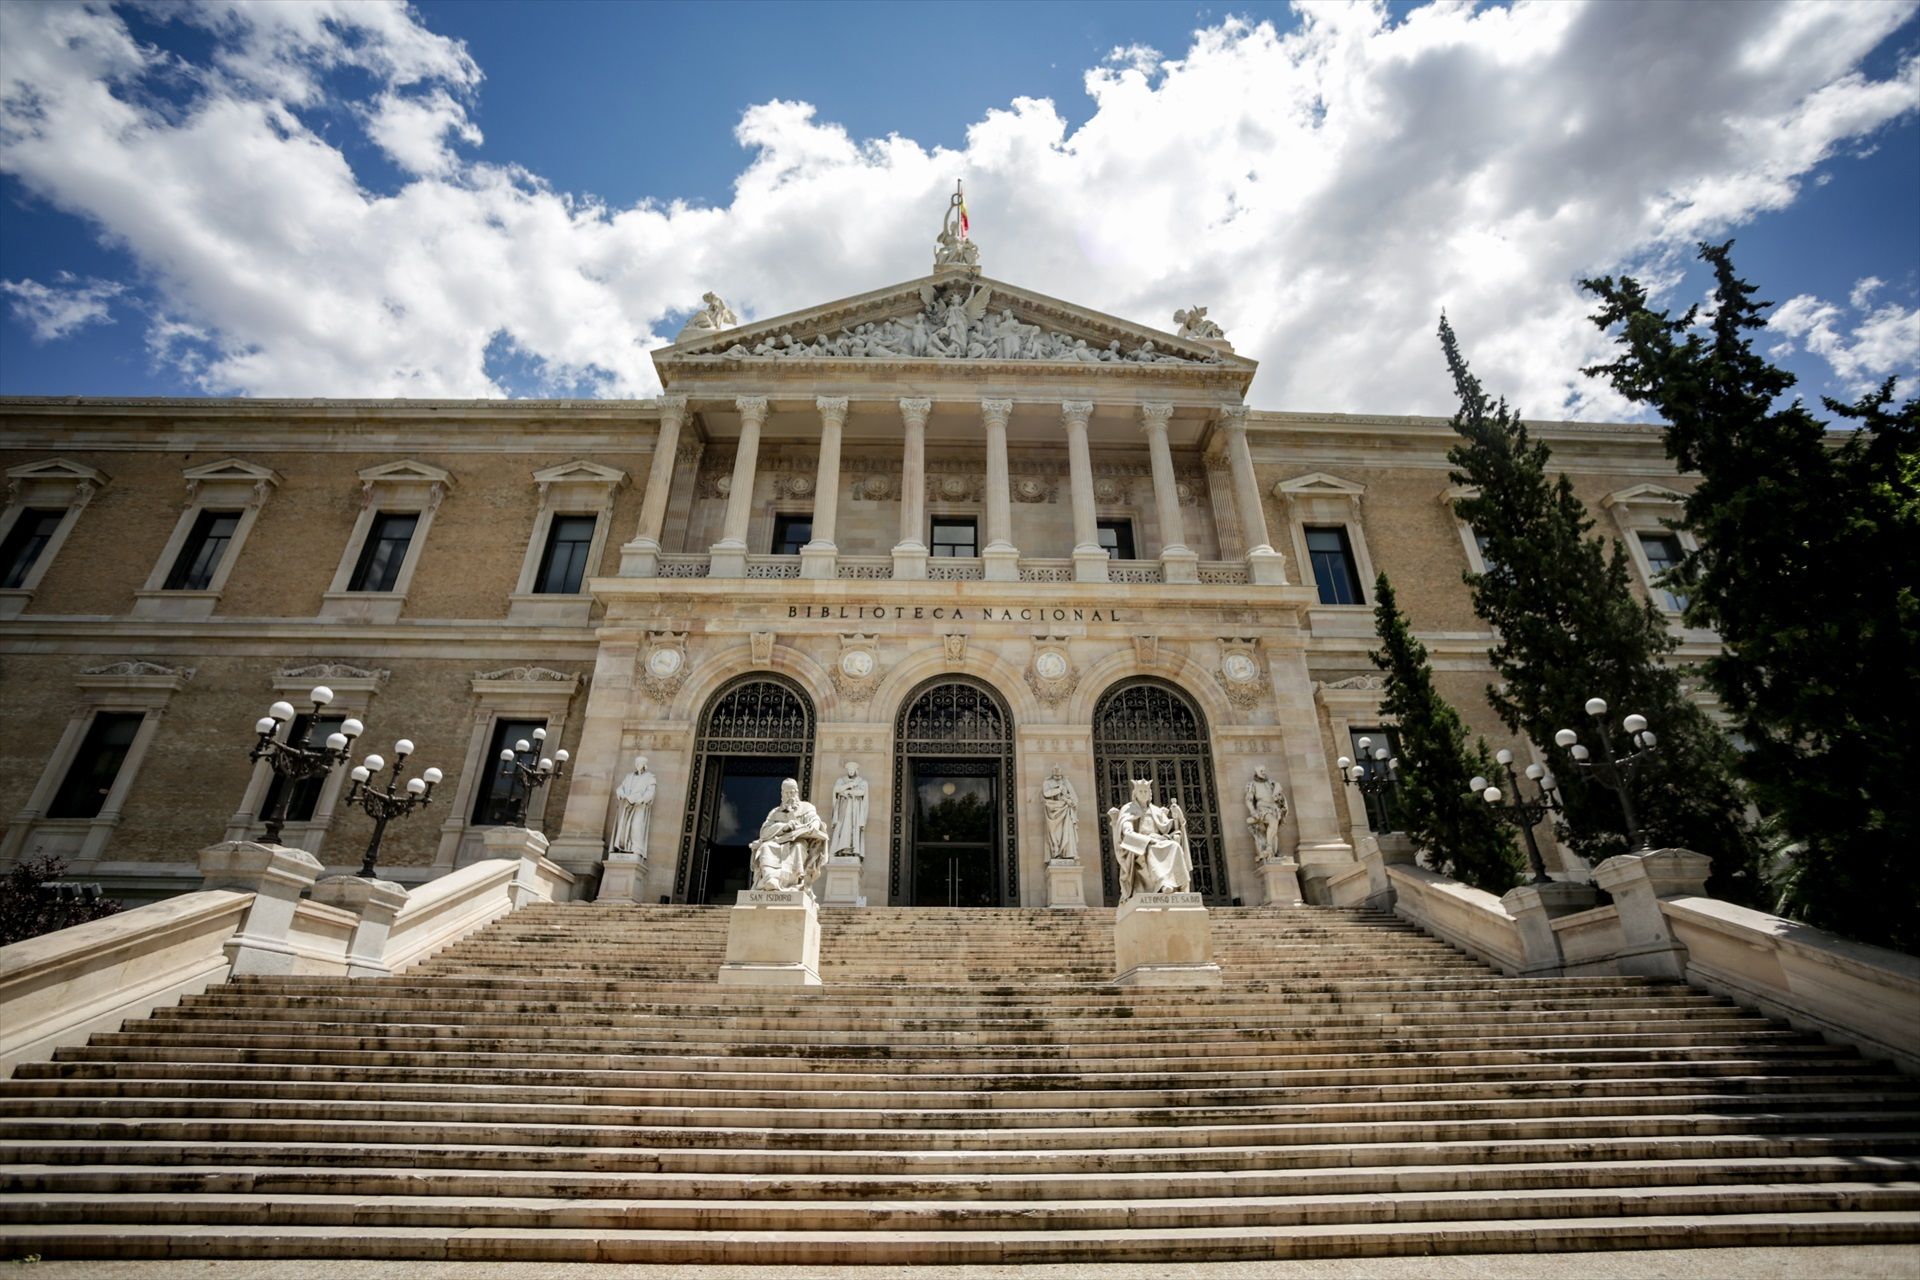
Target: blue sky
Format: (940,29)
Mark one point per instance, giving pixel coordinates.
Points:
(486,199)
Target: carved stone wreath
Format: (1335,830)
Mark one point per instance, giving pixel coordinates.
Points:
(663,667)
(857,674)
(1051,674)
(1241,675)
(1033,489)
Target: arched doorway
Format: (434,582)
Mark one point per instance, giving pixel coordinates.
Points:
(755,731)
(954,838)
(1148,728)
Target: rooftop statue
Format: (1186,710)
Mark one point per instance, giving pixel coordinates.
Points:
(712,317)
(952,248)
(1194,324)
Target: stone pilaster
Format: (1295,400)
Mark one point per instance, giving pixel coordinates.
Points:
(641,557)
(1002,558)
(1089,560)
(910,554)
(820,557)
(597,765)
(1178,561)
(1317,804)
(1264,564)
(729,555)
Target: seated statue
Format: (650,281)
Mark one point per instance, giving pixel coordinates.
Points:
(792,847)
(1150,844)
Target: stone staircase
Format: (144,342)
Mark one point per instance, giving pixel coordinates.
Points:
(572,1084)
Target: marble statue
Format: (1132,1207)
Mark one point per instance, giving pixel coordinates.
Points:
(1063,817)
(633,803)
(849,814)
(1193,323)
(792,846)
(1266,810)
(1150,844)
(952,248)
(712,317)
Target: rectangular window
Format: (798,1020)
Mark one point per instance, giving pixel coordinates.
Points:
(387,540)
(563,566)
(200,558)
(25,541)
(1383,808)
(955,536)
(790,533)
(1663,554)
(1480,540)
(306,791)
(102,751)
(1116,539)
(1333,567)
(500,789)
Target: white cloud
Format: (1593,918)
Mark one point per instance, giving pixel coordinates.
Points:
(1884,340)
(64,307)
(1324,191)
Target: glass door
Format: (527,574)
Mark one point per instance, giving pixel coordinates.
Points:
(956,813)
(744,789)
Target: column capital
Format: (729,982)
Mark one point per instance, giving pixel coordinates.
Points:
(832,408)
(752,407)
(1234,417)
(916,411)
(675,404)
(1155,415)
(996,411)
(1076,412)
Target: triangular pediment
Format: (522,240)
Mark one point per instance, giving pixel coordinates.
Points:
(580,471)
(59,469)
(946,318)
(1319,484)
(406,472)
(1644,495)
(232,469)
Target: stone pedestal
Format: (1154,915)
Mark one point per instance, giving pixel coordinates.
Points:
(773,940)
(1534,908)
(376,902)
(819,561)
(276,876)
(1396,849)
(1091,564)
(910,563)
(1066,887)
(1280,877)
(1163,940)
(1638,882)
(1179,564)
(1000,564)
(623,878)
(640,559)
(727,560)
(840,883)
(526,846)
(1266,568)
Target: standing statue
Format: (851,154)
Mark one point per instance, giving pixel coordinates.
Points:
(1063,817)
(1150,844)
(1193,323)
(793,843)
(633,803)
(1266,810)
(849,814)
(952,248)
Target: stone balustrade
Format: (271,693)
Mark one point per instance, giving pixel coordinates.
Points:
(955,569)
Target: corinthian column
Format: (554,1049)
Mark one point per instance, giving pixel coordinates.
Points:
(1178,562)
(641,557)
(910,553)
(820,556)
(1264,564)
(1002,558)
(729,555)
(1089,560)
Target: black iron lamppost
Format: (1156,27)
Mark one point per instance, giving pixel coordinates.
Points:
(531,770)
(1375,775)
(1520,812)
(385,803)
(293,761)
(1614,772)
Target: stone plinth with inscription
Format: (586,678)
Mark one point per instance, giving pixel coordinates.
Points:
(1163,940)
(773,940)
(840,882)
(1280,880)
(1065,885)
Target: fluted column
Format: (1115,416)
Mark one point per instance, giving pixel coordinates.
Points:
(728,556)
(910,553)
(819,558)
(640,558)
(1264,564)
(1178,562)
(1001,557)
(1089,560)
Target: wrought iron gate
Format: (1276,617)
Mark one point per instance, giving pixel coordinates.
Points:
(760,716)
(1149,729)
(953,718)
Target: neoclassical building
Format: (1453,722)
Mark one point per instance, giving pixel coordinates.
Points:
(954,532)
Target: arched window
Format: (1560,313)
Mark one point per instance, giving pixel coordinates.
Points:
(1148,728)
(754,732)
(954,824)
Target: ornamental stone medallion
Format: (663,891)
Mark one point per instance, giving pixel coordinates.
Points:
(857,673)
(1051,675)
(663,669)
(1241,675)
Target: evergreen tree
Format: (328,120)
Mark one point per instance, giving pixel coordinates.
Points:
(1454,825)
(1568,627)
(1809,569)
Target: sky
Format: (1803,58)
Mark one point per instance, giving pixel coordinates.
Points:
(353,198)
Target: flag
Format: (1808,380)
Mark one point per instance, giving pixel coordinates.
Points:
(964,224)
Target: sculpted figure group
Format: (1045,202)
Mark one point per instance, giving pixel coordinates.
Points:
(1150,843)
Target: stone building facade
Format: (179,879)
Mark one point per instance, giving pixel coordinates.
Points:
(954,532)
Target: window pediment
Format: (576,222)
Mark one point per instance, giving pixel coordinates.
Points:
(230,480)
(56,481)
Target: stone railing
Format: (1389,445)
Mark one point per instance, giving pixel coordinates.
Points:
(955,569)
(59,989)
(1134,571)
(863,567)
(1046,570)
(1661,923)
(773,566)
(683,566)
(1226,573)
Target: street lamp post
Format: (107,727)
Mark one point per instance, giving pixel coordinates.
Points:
(294,761)
(1376,774)
(384,803)
(1520,812)
(531,770)
(1612,771)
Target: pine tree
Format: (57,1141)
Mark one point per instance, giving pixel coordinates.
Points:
(1442,816)
(1809,569)
(1568,627)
